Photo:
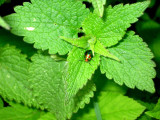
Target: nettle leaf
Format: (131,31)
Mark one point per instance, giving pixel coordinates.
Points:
(83,96)
(47,116)
(114,106)
(4,24)
(49,85)
(115,22)
(79,42)
(19,112)
(135,67)
(14,76)
(79,71)
(43,21)
(98,6)
(100,49)
(155,113)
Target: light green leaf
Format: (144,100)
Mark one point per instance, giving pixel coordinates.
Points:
(118,19)
(136,68)
(79,71)
(155,113)
(114,106)
(100,49)
(98,6)
(19,112)
(14,76)
(47,116)
(115,22)
(4,24)
(49,85)
(42,22)
(83,96)
(79,42)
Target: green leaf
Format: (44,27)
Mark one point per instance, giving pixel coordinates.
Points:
(100,49)
(155,113)
(114,106)
(42,22)
(79,71)
(49,84)
(136,68)
(19,112)
(118,19)
(79,42)
(115,22)
(47,116)
(4,24)
(103,84)
(98,6)
(14,76)
(1,103)
(2,1)
(7,38)
(83,96)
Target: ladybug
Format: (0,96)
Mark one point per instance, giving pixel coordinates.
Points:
(88,55)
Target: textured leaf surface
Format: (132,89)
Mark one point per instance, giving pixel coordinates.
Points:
(4,24)
(135,67)
(43,21)
(155,113)
(83,96)
(49,85)
(98,6)
(19,112)
(115,22)
(14,76)
(79,71)
(114,106)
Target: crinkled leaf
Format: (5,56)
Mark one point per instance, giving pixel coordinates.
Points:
(79,71)
(116,21)
(155,113)
(42,22)
(18,112)
(114,106)
(136,67)
(83,96)
(49,85)
(79,42)
(98,6)
(14,76)
(4,24)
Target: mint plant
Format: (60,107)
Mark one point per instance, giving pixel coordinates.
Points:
(51,79)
